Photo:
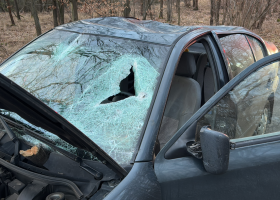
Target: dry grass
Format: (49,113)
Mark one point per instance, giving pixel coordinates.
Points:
(13,38)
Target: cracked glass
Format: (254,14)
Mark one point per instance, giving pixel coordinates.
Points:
(252,108)
(104,86)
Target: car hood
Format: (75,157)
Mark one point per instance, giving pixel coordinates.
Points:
(14,98)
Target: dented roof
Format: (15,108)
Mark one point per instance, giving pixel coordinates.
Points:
(143,30)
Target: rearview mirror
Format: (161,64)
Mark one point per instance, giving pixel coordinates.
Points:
(215,148)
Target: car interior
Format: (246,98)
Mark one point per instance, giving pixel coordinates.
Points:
(193,84)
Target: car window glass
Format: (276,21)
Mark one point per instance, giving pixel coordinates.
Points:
(103,86)
(257,48)
(238,53)
(252,108)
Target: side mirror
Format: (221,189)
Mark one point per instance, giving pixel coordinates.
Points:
(215,148)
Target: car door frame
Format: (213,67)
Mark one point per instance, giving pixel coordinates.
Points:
(174,170)
(145,149)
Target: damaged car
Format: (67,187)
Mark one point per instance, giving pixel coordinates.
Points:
(119,108)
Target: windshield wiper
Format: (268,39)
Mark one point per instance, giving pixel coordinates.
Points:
(14,160)
(96,174)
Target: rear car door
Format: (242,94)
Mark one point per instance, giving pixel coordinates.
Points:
(247,109)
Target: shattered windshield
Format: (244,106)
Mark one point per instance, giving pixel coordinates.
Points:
(104,86)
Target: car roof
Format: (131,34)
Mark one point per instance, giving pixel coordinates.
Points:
(130,28)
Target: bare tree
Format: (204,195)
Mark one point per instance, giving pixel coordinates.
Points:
(178,11)
(36,18)
(247,13)
(74,10)
(10,12)
(195,4)
(17,10)
(212,12)
(161,9)
(217,12)
(225,8)
(55,22)
(169,10)
(127,8)
(60,5)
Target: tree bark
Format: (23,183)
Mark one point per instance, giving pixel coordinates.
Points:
(36,18)
(225,8)
(74,10)
(265,12)
(150,9)
(127,8)
(212,12)
(195,6)
(10,12)
(178,11)
(41,5)
(217,15)
(61,12)
(169,10)
(161,9)
(17,10)
(55,22)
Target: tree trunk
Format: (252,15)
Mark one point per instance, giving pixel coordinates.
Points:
(217,17)
(74,10)
(212,12)
(41,5)
(142,7)
(265,12)
(145,7)
(133,8)
(161,9)
(17,10)
(225,8)
(178,11)
(55,22)
(36,18)
(195,4)
(127,8)
(169,10)
(61,12)
(150,9)
(10,13)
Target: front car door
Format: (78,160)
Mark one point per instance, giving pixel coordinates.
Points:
(243,110)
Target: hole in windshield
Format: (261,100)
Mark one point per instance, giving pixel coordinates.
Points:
(126,88)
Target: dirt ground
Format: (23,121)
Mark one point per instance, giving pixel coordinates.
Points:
(13,38)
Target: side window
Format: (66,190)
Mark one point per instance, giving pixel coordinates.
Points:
(257,48)
(192,85)
(252,108)
(238,52)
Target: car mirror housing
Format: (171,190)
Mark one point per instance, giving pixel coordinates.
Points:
(215,149)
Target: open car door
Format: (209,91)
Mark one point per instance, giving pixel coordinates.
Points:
(230,148)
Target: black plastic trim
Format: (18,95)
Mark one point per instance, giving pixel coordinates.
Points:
(257,141)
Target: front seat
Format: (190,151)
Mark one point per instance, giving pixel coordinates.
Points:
(183,101)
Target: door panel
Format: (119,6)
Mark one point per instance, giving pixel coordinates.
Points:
(254,168)
(253,174)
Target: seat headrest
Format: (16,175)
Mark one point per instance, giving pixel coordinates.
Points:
(186,66)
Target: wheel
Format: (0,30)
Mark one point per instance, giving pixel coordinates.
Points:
(261,128)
